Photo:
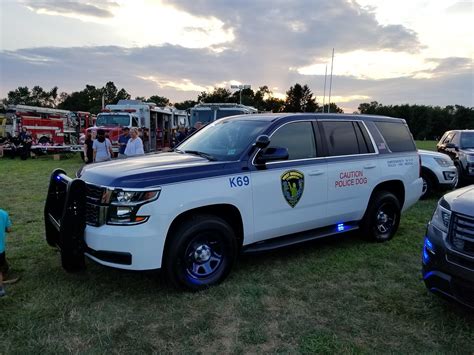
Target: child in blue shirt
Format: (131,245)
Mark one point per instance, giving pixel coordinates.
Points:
(5,226)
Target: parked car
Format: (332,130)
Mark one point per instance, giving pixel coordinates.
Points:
(437,171)
(246,183)
(448,250)
(459,145)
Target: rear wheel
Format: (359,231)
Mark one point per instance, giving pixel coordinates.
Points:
(201,253)
(382,217)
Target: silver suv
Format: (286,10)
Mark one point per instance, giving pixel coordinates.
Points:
(437,171)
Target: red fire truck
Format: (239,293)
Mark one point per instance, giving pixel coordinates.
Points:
(157,124)
(48,125)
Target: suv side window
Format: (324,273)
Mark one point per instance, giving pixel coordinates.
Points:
(397,136)
(298,138)
(341,138)
(448,137)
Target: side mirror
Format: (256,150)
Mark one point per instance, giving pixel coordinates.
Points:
(271,154)
(262,141)
(451,145)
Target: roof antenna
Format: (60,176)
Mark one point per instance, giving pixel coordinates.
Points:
(330,82)
(325,77)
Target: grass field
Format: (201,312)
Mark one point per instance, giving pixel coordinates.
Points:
(339,295)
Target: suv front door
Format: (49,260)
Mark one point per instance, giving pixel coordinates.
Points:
(290,196)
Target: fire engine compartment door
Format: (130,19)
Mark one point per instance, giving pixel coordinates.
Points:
(65,220)
(153,126)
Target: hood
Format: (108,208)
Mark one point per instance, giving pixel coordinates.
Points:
(468,150)
(154,170)
(432,154)
(462,200)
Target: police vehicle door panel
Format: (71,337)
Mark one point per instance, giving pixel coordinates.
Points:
(290,196)
(353,169)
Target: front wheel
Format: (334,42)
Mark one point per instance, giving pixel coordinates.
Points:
(382,217)
(428,186)
(200,253)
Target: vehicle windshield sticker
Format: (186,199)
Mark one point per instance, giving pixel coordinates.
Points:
(231,152)
(292,186)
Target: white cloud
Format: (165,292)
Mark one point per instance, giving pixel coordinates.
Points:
(370,65)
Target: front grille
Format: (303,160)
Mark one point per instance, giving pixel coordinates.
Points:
(95,210)
(94,193)
(461,235)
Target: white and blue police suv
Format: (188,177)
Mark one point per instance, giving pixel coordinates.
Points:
(241,184)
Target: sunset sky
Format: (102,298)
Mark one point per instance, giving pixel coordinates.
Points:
(394,52)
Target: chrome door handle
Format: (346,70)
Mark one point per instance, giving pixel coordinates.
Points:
(316,172)
(370,166)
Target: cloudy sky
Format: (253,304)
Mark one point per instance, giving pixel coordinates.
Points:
(391,51)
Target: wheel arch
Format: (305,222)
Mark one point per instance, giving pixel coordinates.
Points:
(430,174)
(396,187)
(227,212)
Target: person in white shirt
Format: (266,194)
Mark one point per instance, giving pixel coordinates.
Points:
(102,148)
(135,144)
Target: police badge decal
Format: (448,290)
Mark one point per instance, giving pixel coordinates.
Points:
(292,186)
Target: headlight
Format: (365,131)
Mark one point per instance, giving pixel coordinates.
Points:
(125,205)
(133,197)
(442,216)
(443,162)
(470,157)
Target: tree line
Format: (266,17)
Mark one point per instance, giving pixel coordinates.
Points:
(299,98)
(425,122)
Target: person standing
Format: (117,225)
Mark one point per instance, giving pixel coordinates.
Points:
(123,140)
(5,227)
(88,150)
(102,148)
(135,144)
(197,126)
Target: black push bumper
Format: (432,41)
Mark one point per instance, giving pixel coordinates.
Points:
(64,218)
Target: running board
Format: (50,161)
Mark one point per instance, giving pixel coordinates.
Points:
(287,240)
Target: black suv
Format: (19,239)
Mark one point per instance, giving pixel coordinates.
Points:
(448,251)
(459,145)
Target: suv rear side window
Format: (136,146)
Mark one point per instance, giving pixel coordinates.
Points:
(298,138)
(341,138)
(397,136)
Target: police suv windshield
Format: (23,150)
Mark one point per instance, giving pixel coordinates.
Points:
(223,139)
(113,120)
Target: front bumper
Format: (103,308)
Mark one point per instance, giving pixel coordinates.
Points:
(132,247)
(445,271)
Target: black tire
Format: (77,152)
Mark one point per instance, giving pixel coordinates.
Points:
(382,217)
(43,140)
(200,253)
(428,185)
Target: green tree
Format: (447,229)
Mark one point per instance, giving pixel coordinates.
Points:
(218,95)
(36,97)
(185,104)
(300,99)
(333,108)
(160,101)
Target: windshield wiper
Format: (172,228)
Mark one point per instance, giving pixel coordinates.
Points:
(201,154)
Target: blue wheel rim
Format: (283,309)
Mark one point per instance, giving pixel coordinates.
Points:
(204,257)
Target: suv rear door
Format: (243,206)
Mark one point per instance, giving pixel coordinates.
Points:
(353,168)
